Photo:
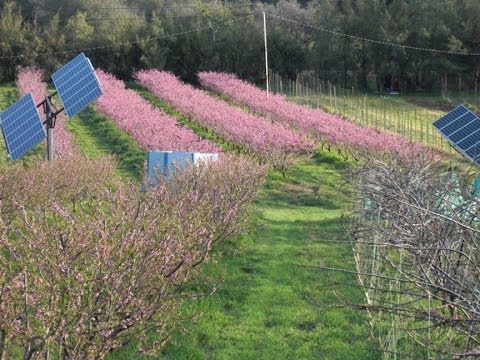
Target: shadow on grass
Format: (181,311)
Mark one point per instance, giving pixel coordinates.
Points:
(96,133)
(293,198)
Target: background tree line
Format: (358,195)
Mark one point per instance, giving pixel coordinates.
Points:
(122,36)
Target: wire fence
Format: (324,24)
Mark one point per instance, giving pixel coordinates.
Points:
(408,115)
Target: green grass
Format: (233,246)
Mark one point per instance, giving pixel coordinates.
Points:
(96,134)
(272,304)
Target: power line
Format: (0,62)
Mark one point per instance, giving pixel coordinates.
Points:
(380,42)
(161,17)
(101,47)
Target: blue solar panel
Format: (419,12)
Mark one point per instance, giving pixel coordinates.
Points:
(77,84)
(474,153)
(464,132)
(452,115)
(461,127)
(21,126)
(470,141)
(458,124)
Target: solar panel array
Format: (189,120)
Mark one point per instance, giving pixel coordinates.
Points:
(461,127)
(21,126)
(77,84)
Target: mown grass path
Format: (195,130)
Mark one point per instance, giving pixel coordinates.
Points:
(271,306)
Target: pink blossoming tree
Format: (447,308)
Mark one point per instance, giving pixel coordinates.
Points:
(31,80)
(271,142)
(89,263)
(149,126)
(328,128)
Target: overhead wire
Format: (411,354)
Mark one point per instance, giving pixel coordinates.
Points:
(333,32)
(380,42)
(152,38)
(129,19)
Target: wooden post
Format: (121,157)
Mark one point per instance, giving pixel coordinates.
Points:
(392,117)
(446,85)
(266,50)
(460,85)
(428,130)
(476,89)
(366,110)
(335,98)
(330,94)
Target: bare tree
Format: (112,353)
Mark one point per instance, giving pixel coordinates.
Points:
(415,237)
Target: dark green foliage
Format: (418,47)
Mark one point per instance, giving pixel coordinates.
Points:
(123,36)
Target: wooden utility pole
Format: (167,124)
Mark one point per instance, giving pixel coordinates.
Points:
(266,51)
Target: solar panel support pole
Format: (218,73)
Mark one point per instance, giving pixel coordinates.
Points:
(51,113)
(50,144)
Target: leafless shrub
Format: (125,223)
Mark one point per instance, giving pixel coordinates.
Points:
(415,237)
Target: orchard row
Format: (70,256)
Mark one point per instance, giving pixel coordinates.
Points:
(274,130)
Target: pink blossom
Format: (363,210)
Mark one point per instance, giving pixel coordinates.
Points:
(271,141)
(149,126)
(328,128)
(31,80)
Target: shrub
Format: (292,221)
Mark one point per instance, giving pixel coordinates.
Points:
(88,262)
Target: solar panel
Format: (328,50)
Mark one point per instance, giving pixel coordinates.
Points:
(77,84)
(21,126)
(461,127)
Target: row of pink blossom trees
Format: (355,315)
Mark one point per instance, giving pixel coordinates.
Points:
(32,80)
(88,263)
(271,142)
(149,126)
(328,128)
